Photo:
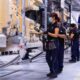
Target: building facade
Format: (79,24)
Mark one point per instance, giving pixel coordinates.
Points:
(12,12)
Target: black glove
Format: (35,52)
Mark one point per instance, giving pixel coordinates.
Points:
(46,32)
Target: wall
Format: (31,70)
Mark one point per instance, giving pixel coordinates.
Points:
(8,7)
(4,13)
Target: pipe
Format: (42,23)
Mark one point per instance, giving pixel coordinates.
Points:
(23,19)
(46,2)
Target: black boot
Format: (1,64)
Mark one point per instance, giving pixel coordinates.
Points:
(60,71)
(53,75)
(78,59)
(72,61)
(49,74)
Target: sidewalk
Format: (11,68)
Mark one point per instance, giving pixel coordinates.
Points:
(38,69)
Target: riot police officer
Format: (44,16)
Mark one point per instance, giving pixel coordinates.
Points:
(74,43)
(52,46)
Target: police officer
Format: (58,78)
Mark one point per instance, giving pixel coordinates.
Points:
(74,43)
(62,37)
(52,52)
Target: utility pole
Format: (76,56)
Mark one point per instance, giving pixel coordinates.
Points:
(62,10)
(23,18)
(17,14)
(45,23)
(70,6)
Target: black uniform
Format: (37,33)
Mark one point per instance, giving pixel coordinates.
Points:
(74,46)
(61,50)
(52,54)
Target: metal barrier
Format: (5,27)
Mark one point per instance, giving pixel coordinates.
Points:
(16,61)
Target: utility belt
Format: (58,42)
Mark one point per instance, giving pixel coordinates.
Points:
(50,45)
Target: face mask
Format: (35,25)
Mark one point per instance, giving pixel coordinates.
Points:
(50,19)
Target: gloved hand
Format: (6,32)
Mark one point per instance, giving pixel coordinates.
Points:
(46,32)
